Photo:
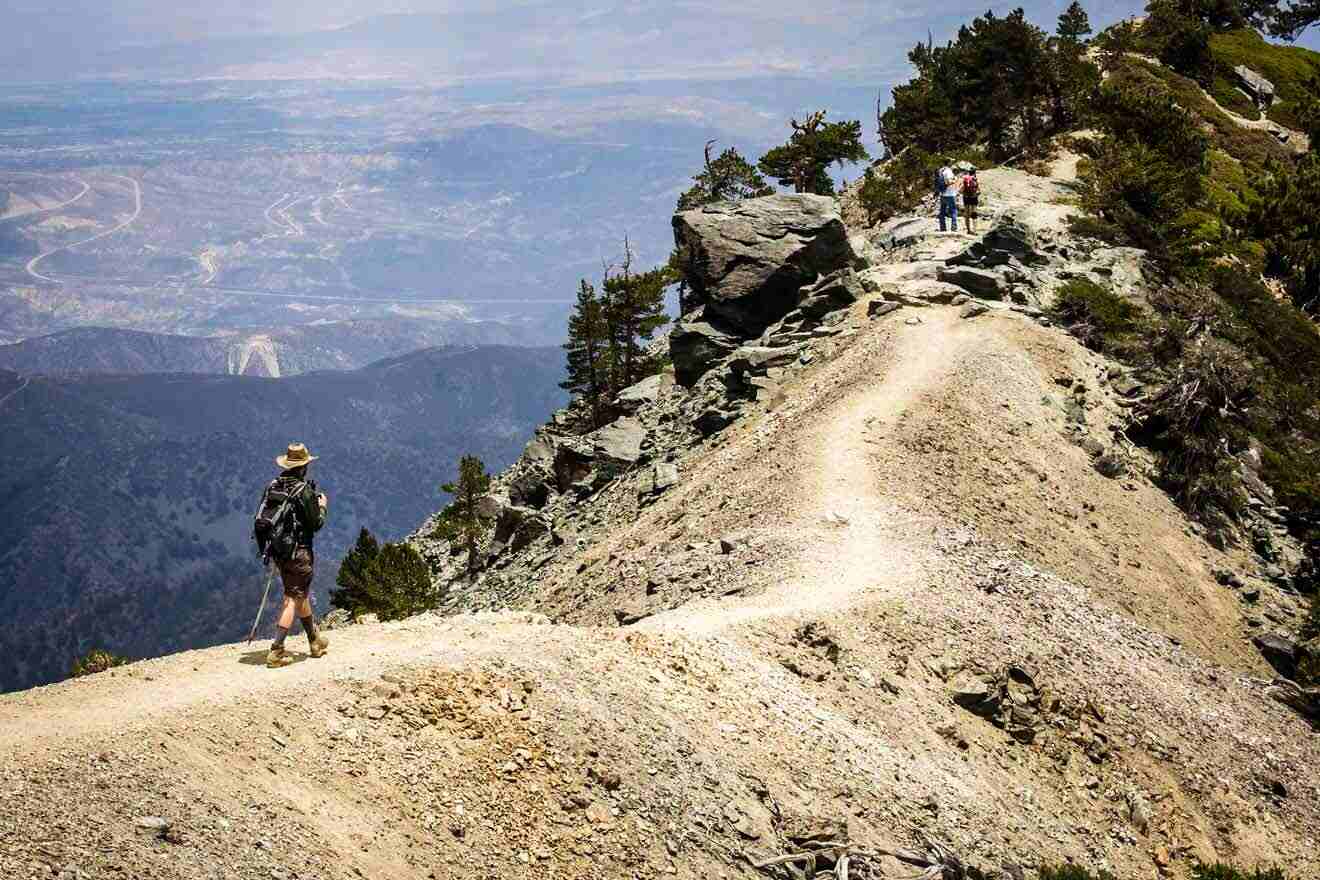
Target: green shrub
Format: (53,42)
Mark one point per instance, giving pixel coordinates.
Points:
(399,583)
(1091,226)
(1232,98)
(1102,319)
(1195,425)
(1221,871)
(1246,144)
(1289,68)
(96,661)
(1072,872)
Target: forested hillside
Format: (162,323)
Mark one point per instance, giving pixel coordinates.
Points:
(1198,143)
(125,501)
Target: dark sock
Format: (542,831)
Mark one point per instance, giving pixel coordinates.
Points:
(280,633)
(309,627)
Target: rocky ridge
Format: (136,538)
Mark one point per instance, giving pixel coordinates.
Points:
(572,487)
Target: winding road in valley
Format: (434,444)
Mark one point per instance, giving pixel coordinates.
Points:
(137,212)
(86,188)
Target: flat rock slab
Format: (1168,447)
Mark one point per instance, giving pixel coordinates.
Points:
(879,309)
(619,441)
(645,391)
(758,358)
(929,292)
(982,283)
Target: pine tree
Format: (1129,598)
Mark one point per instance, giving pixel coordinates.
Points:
(464,513)
(728,178)
(1074,24)
(635,306)
(588,352)
(352,577)
(1074,78)
(398,584)
(803,163)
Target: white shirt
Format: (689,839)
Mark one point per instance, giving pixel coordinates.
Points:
(950,181)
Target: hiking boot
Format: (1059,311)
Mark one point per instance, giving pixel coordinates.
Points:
(320,645)
(278,657)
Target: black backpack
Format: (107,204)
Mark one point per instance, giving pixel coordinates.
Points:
(276,527)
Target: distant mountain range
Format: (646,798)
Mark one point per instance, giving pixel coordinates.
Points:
(337,345)
(126,501)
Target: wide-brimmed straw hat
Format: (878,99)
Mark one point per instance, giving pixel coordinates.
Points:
(295,457)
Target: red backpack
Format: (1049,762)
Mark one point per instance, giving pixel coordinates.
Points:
(971,186)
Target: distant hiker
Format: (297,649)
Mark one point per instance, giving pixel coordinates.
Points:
(947,187)
(291,512)
(971,193)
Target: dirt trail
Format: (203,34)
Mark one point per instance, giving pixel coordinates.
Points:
(879,547)
(853,538)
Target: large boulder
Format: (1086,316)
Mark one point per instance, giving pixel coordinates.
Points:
(746,261)
(529,488)
(695,344)
(920,293)
(1257,87)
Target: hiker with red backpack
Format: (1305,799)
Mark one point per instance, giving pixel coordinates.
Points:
(971,193)
(291,512)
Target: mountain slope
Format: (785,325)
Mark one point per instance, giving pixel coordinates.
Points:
(820,597)
(127,499)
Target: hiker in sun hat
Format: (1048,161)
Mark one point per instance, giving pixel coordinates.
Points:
(292,511)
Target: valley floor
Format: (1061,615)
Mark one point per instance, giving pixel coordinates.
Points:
(910,513)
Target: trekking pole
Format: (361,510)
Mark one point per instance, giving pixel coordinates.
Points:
(270,576)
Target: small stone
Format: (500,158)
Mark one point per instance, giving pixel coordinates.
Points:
(152,823)
(1111,465)
(878,309)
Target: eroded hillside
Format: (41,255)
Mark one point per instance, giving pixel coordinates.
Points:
(871,567)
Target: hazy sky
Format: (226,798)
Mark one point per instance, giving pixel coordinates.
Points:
(591,39)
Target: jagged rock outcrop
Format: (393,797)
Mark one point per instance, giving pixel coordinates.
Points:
(695,343)
(644,392)
(746,261)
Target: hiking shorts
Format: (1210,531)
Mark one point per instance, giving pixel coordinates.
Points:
(296,574)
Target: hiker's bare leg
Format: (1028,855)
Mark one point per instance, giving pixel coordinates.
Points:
(286,612)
